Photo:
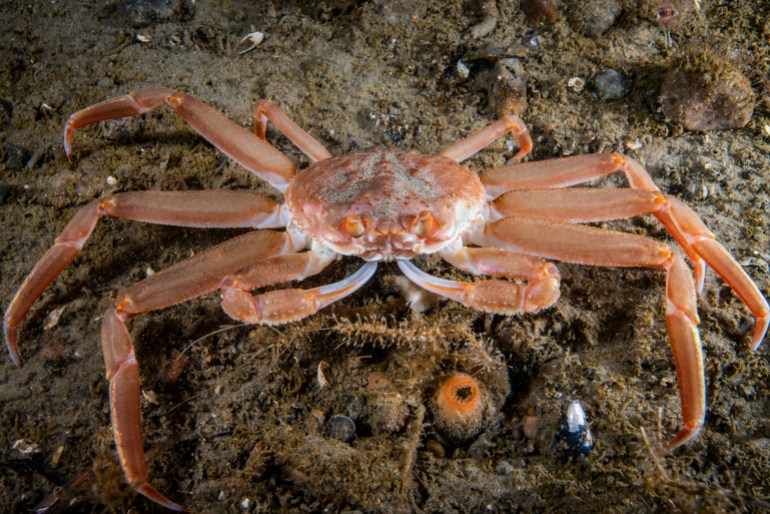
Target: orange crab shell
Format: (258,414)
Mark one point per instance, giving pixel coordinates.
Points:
(385,204)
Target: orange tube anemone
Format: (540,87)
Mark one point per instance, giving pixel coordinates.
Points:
(460,407)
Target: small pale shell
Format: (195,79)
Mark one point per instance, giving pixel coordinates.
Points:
(576,84)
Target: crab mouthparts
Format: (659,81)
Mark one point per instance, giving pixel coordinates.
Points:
(389,231)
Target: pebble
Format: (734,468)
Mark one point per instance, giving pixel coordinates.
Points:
(540,13)
(341,428)
(509,88)
(701,102)
(387,412)
(142,13)
(435,448)
(530,426)
(593,18)
(504,468)
(611,85)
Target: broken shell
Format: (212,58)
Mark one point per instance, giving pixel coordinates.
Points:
(25,446)
(463,71)
(254,38)
(576,84)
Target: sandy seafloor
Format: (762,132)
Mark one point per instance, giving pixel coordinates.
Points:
(243,426)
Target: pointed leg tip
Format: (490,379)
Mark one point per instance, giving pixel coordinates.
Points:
(684,435)
(520,154)
(11,344)
(759,332)
(700,275)
(148,491)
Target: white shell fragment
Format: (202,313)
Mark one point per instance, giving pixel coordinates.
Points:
(462,70)
(576,84)
(53,318)
(254,38)
(25,446)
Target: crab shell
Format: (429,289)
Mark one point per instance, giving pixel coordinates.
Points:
(385,204)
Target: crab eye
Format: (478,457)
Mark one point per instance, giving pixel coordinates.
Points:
(353,225)
(424,224)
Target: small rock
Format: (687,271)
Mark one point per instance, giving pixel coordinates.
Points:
(435,448)
(530,426)
(593,18)
(540,14)
(142,13)
(509,88)
(611,85)
(700,101)
(341,428)
(387,412)
(504,468)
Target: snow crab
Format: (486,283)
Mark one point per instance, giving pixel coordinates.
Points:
(385,205)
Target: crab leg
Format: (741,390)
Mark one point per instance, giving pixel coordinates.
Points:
(266,110)
(704,242)
(285,305)
(550,173)
(221,209)
(465,148)
(498,296)
(593,246)
(205,272)
(682,223)
(251,152)
(575,205)
(224,266)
